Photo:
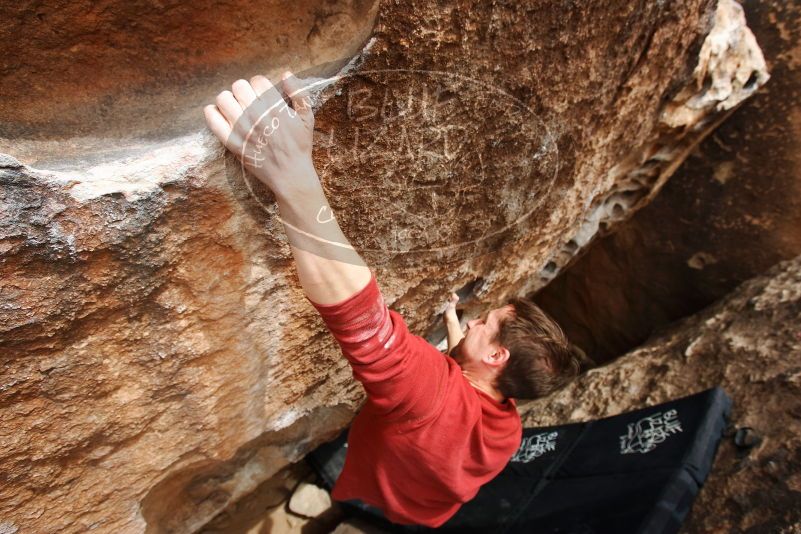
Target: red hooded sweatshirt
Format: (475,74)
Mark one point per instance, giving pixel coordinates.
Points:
(426,440)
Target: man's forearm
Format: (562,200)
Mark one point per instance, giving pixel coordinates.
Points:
(280,156)
(455,333)
(329,269)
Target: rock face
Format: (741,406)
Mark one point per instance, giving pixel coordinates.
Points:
(114,77)
(749,343)
(159,359)
(730,212)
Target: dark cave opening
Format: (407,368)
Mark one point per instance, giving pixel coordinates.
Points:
(706,231)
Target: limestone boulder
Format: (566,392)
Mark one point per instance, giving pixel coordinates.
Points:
(731,211)
(309,500)
(158,357)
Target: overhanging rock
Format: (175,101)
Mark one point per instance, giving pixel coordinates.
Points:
(156,346)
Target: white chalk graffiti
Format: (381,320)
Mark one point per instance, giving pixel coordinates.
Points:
(644,435)
(535,446)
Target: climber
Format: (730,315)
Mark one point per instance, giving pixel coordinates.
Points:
(435,427)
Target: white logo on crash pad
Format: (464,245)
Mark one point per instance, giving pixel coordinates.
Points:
(535,446)
(644,435)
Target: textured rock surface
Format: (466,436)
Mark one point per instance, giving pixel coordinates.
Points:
(266,510)
(112,77)
(731,211)
(355,526)
(309,500)
(749,343)
(158,357)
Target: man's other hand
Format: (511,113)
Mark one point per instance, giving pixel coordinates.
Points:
(450,305)
(271,138)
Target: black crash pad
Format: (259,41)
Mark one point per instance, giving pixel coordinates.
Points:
(636,472)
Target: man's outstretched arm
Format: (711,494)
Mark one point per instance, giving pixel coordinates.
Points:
(400,371)
(274,142)
(329,269)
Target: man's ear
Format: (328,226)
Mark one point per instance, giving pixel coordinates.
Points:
(499,357)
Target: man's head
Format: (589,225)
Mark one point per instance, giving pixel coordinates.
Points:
(519,350)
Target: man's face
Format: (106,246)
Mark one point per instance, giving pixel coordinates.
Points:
(480,340)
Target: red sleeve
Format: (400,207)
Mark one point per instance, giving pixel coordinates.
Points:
(403,375)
